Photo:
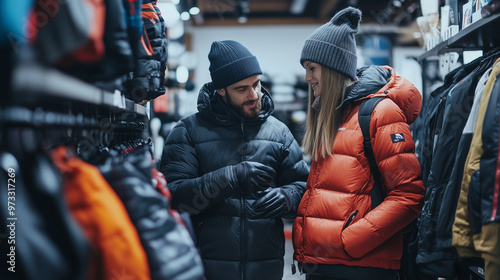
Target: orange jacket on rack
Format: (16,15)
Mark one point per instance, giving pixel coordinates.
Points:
(335,223)
(117,252)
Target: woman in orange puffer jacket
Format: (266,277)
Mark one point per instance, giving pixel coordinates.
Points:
(336,234)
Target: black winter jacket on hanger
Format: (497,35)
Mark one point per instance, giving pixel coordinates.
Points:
(48,244)
(431,116)
(436,256)
(170,250)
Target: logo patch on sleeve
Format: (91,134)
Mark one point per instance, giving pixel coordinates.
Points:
(397,137)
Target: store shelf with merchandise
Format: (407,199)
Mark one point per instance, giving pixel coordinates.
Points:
(482,34)
(37,85)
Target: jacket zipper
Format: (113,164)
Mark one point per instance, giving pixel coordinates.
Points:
(243,216)
(349,221)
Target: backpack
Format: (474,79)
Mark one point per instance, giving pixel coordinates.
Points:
(409,269)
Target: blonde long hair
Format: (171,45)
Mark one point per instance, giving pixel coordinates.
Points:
(322,126)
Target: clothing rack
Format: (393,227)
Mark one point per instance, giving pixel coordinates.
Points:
(39,118)
(89,134)
(451,108)
(19,116)
(34,83)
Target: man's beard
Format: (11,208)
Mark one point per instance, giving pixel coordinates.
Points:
(240,109)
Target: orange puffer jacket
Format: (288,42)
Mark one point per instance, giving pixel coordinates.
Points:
(335,223)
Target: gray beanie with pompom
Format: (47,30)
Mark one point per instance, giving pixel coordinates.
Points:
(333,44)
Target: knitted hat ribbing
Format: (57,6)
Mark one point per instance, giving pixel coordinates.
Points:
(231,62)
(333,44)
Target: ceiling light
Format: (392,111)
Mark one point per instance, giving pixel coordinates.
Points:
(242,11)
(194,11)
(194,8)
(185,16)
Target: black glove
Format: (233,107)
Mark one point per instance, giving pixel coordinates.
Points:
(275,203)
(254,176)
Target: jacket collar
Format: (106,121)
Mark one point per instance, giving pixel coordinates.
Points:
(370,79)
(211,106)
(375,81)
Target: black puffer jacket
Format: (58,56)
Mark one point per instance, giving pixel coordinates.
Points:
(169,248)
(146,81)
(197,163)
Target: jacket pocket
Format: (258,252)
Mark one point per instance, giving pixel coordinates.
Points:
(350,219)
(474,203)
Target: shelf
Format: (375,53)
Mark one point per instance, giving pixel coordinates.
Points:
(434,51)
(481,34)
(39,83)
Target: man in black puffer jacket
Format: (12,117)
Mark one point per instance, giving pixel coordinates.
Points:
(236,169)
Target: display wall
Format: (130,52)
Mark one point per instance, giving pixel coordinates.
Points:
(278,49)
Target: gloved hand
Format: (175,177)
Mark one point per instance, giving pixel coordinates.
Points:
(254,176)
(275,203)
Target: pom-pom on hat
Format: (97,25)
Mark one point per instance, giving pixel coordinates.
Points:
(231,62)
(333,44)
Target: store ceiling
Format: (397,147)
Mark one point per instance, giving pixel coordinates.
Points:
(226,12)
(382,16)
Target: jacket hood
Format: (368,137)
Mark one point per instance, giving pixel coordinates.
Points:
(375,81)
(211,106)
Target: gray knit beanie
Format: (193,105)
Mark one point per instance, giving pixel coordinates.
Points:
(231,62)
(333,44)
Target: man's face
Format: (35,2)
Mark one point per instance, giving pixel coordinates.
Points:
(244,96)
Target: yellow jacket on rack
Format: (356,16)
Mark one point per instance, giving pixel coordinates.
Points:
(473,237)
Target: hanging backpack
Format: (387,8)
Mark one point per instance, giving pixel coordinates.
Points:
(409,269)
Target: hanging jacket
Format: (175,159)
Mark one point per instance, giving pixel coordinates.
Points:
(431,116)
(472,209)
(40,239)
(459,100)
(234,242)
(424,136)
(489,192)
(116,249)
(109,72)
(67,32)
(334,224)
(169,248)
(489,178)
(446,255)
(160,184)
(159,44)
(146,82)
